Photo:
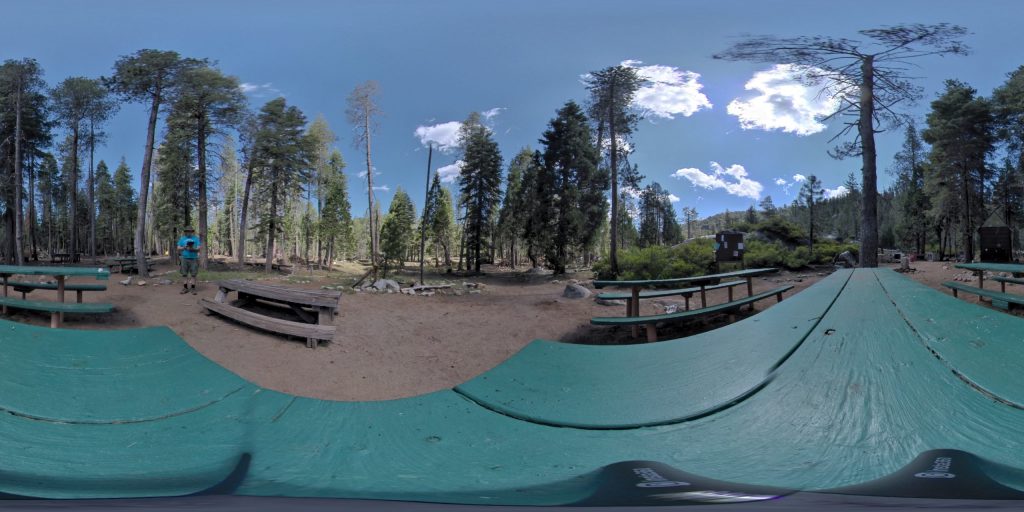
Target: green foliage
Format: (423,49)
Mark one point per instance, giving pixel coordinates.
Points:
(396,235)
(480,180)
(661,262)
(575,185)
(335,227)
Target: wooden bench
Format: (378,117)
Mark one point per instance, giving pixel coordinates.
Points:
(651,321)
(1000,300)
(1003,280)
(686,293)
(56,308)
(125,265)
(25,287)
(300,329)
(316,325)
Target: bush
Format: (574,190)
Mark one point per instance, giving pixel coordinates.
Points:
(660,262)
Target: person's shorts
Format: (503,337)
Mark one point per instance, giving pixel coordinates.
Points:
(190,266)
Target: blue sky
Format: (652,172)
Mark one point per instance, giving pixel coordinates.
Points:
(519,62)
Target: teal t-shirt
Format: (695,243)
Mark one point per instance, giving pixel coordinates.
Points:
(193,253)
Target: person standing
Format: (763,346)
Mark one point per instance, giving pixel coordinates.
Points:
(188,248)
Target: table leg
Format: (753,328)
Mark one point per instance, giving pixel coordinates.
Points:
(5,293)
(703,297)
(750,290)
(981,284)
(636,309)
(60,298)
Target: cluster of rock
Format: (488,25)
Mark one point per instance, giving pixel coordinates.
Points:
(427,290)
(142,282)
(969,277)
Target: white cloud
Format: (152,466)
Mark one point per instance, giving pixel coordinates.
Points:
(780,182)
(450,173)
(444,135)
(799,178)
(668,91)
(672,198)
(259,90)
(786,101)
(732,179)
(362,174)
(839,191)
(488,114)
(383,188)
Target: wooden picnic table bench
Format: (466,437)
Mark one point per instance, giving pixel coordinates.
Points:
(703,282)
(316,325)
(57,309)
(999,300)
(1003,280)
(686,293)
(60,257)
(127,264)
(27,286)
(651,321)
(979,270)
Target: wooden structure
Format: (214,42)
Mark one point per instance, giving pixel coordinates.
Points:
(729,246)
(56,309)
(315,308)
(127,264)
(686,293)
(702,282)
(996,239)
(651,321)
(25,287)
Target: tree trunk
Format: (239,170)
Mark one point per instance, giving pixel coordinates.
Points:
(73,193)
(32,208)
(18,256)
(369,192)
(244,214)
(269,264)
(614,163)
(204,252)
(865,125)
(147,161)
(92,191)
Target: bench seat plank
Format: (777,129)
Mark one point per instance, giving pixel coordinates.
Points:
(312,298)
(86,287)
(56,308)
(281,326)
(999,299)
(651,320)
(647,294)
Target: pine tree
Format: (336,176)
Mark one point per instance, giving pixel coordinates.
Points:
(811,193)
(396,234)
(578,186)
(336,216)
(480,181)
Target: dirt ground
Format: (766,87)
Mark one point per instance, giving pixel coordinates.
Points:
(393,345)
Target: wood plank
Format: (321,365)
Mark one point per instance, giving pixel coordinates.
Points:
(314,298)
(288,327)
(303,314)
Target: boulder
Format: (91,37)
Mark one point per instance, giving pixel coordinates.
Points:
(575,291)
(387,284)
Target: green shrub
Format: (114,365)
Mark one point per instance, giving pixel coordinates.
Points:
(660,262)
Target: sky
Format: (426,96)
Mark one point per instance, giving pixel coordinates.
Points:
(718,135)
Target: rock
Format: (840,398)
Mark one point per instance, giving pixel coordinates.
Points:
(128,281)
(459,293)
(475,292)
(141,283)
(575,291)
(387,284)
(538,271)
(165,282)
(427,294)
(555,281)
(607,302)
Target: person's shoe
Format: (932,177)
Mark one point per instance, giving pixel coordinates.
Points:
(193,290)
(184,291)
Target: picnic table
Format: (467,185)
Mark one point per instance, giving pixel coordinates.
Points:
(59,274)
(126,263)
(60,257)
(633,305)
(316,308)
(979,269)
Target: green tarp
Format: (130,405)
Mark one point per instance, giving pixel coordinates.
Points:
(139,413)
